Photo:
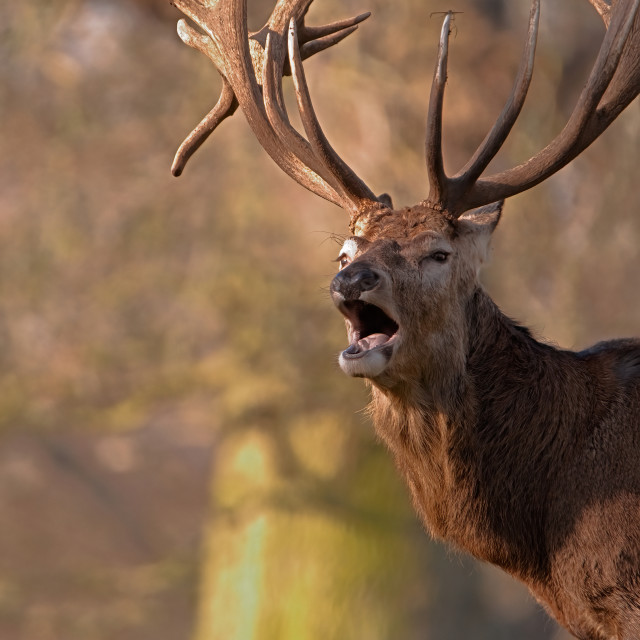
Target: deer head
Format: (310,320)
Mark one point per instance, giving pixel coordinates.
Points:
(403,293)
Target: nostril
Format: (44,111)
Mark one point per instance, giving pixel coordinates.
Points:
(338,283)
(352,281)
(366,280)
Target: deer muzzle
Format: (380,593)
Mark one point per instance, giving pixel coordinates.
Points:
(353,281)
(372,331)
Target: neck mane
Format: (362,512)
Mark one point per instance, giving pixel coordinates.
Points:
(475,446)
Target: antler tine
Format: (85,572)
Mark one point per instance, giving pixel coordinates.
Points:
(320,44)
(603,7)
(275,54)
(625,85)
(225,35)
(225,107)
(355,189)
(306,33)
(507,118)
(610,88)
(276,113)
(236,50)
(438,180)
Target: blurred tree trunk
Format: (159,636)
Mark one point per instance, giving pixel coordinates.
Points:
(282,565)
(310,534)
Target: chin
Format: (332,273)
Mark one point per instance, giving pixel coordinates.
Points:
(370,364)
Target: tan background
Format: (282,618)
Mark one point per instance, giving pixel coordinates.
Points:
(180,456)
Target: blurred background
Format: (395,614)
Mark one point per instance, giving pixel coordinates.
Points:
(180,456)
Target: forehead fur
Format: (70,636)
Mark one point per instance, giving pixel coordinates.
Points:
(402,224)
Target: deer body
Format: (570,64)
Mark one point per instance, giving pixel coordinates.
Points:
(524,455)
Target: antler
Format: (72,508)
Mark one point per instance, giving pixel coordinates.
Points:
(614,82)
(252,66)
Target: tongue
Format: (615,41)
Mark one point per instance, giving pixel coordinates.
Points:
(367,343)
(374,340)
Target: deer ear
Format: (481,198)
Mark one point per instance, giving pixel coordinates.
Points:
(479,225)
(483,220)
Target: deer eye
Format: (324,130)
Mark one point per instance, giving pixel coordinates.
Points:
(438,256)
(344,260)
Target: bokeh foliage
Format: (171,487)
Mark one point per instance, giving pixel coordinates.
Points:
(136,309)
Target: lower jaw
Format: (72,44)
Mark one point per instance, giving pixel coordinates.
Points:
(368,365)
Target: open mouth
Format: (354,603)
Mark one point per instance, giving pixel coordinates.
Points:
(370,328)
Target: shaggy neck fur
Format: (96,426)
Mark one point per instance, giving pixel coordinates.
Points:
(475,442)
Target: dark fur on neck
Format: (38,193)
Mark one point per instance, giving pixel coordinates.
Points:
(504,455)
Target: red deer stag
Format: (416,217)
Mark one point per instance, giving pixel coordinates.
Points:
(524,455)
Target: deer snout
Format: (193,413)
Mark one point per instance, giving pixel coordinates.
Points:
(354,280)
